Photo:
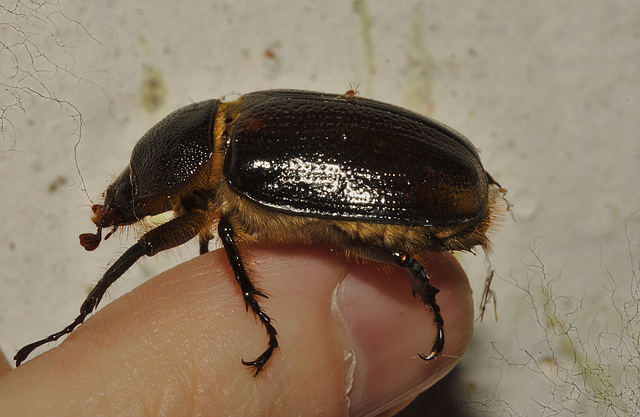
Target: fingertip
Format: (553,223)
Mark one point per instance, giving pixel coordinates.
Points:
(177,341)
(389,329)
(4,364)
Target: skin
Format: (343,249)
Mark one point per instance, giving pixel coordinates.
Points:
(349,337)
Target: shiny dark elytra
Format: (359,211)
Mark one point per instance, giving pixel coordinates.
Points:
(297,167)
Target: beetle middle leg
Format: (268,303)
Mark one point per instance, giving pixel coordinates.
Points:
(203,240)
(249,292)
(421,286)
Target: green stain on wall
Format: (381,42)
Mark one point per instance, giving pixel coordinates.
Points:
(153,91)
(361,8)
(420,68)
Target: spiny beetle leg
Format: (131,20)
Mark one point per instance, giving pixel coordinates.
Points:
(166,236)
(427,292)
(91,302)
(421,286)
(249,292)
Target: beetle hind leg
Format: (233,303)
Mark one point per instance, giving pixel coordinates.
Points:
(427,292)
(249,292)
(421,286)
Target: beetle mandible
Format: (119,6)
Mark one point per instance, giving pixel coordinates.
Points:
(371,179)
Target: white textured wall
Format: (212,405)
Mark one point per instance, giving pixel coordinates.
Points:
(548,92)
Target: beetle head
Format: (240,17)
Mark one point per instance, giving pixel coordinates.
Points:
(117,210)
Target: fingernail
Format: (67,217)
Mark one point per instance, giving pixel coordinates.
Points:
(388,328)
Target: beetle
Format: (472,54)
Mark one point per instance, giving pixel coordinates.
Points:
(373,180)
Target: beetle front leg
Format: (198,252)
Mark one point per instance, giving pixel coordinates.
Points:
(91,302)
(166,236)
(249,292)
